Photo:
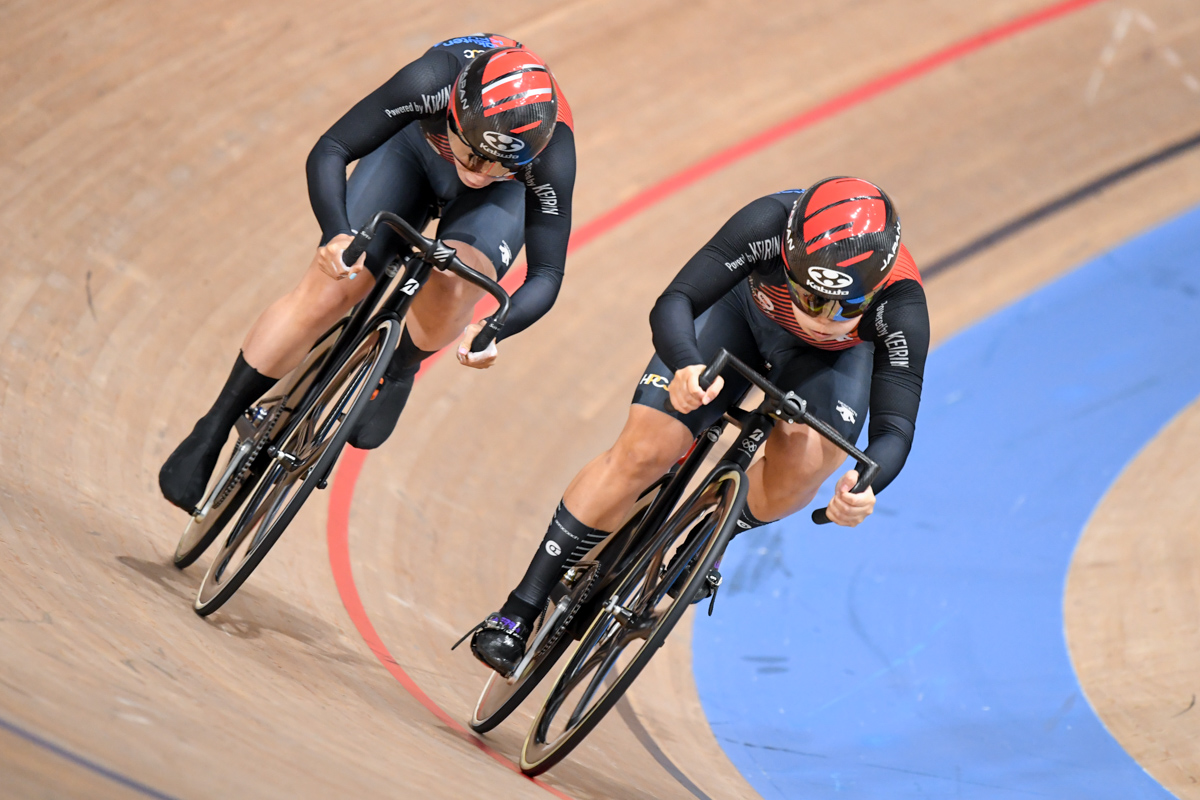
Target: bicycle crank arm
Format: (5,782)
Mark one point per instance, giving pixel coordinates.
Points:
(235,461)
(547,628)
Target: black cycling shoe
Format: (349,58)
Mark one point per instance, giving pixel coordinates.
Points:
(382,413)
(184,475)
(499,642)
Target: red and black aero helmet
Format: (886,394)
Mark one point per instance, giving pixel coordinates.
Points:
(842,238)
(503,106)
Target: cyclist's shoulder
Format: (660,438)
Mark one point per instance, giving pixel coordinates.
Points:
(766,214)
(467,48)
(785,198)
(901,299)
(905,278)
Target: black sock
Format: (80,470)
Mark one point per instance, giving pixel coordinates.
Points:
(407,361)
(186,471)
(566,541)
(244,385)
(747,521)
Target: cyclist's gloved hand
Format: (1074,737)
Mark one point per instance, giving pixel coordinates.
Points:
(846,507)
(481,360)
(685,391)
(329,258)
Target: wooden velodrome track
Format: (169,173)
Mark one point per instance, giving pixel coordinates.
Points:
(152,200)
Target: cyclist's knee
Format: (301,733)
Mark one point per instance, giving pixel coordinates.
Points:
(320,298)
(473,257)
(642,458)
(801,458)
(650,443)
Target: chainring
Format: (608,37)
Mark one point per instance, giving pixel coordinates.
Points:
(584,592)
(261,439)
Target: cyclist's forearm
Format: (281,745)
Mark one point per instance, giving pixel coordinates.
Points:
(326,169)
(531,302)
(890,442)
(673,328)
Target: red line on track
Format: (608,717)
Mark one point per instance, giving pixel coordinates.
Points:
(338,539)
(342,493)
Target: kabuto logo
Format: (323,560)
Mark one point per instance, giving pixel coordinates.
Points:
(829,280)
(501,144)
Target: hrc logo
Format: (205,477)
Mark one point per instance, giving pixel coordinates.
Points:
(657,381)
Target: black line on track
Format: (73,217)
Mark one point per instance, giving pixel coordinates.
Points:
(82,761)
(1094,187)
(647,741)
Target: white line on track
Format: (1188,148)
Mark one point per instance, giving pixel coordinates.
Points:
(1125,20)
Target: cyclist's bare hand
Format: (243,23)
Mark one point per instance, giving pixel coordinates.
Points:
(846,507)
(481,360)
(329,258)
(686,394)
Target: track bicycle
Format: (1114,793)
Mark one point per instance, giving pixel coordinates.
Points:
(625,596)
(288,443)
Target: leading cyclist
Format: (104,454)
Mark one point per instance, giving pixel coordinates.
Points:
(475,131)
(813,287)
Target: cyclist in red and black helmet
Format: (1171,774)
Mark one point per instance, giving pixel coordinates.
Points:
(813,289)
(475,132)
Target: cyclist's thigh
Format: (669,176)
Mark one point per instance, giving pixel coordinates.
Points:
(722,325)
(390,178)
(491,219)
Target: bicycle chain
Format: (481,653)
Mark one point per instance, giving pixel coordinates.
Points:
(553,638)
(262,438)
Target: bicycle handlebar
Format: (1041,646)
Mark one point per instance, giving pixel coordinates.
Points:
(444,258)
(794,409)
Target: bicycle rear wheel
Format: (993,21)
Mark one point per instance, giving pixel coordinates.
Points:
(233,484)
(310,444)
(635,620)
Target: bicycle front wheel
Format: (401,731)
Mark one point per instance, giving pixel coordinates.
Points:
(304,457)
(635,619)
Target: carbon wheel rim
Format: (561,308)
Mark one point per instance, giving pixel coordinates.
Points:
(612,651)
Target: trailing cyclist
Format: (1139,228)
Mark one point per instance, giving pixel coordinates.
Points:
(813,287)
(476,132)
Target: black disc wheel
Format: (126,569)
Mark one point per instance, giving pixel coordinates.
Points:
(233,483)
(307,448)
(501,695)
(635,618)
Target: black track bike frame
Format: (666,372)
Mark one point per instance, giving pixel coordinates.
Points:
(424,256)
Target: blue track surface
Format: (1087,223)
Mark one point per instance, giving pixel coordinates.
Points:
(922,654)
